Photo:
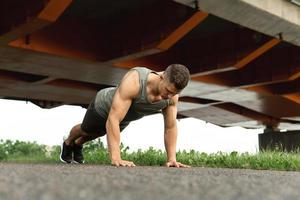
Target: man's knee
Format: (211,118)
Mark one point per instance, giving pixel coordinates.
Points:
(77,128)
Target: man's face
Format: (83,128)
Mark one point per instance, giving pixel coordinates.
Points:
(167,90)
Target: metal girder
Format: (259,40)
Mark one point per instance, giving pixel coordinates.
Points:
(279,65)
(165,43)
(52,10)
(20,60)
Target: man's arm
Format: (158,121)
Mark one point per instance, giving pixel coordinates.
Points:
(126,92)
(170,136)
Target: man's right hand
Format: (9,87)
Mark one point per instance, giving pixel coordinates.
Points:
(122,163)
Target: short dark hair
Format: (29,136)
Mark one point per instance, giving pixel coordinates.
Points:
(178,75)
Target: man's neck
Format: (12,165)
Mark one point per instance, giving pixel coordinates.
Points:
(153,82)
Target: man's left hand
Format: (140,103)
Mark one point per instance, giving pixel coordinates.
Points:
(176,164)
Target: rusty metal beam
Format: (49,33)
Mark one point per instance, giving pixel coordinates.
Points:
(47,16)
(256,53)
(275,106)
(102,45)
(41,64)
(13,86)
(221,52)
(59,39)
(215,115)
(44,81)
(197,100)
(218,74)
(165,43)
(182,30)
(267,104)
(54,9)
(294,76)
(277,66)
(293,97)
(265,119)
(83,86)
(282,88)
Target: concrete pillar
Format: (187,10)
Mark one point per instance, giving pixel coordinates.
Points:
(288,141)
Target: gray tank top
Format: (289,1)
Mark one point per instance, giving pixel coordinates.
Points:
(140,106)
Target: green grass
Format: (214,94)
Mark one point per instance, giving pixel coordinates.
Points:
(96,153)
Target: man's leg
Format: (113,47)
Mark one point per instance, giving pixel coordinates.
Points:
(73,144)
(67,148)
(75,133)
(83,139)
(92,123)
(78,145)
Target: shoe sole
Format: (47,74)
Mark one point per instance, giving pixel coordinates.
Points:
(77,162)
(62,160)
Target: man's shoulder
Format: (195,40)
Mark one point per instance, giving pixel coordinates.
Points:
(142,70)
(130,83)
(133,76)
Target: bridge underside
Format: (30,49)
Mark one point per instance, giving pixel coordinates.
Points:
(57,52)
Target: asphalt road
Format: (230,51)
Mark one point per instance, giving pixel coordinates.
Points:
(58,181)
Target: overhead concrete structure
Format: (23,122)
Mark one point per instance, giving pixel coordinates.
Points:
(276,18)
(244,55)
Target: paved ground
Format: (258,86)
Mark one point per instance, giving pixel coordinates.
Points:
(58,181)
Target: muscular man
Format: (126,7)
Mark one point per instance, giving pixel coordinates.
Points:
(141,92)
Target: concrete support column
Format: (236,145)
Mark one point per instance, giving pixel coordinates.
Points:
(288,141)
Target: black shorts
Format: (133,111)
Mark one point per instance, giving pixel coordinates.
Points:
(94,123)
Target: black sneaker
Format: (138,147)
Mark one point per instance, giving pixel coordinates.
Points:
(78,156)
(66,153)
